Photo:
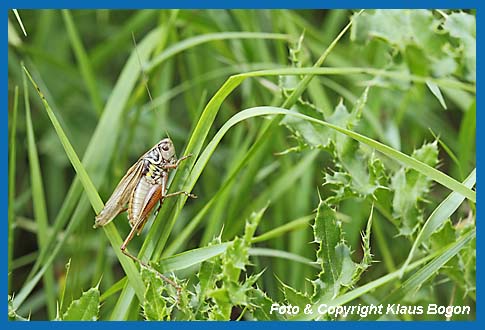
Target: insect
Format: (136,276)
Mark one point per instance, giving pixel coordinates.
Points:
(139,191)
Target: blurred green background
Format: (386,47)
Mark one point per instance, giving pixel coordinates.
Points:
(76,58)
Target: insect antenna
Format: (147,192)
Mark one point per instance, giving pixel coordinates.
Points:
(143,73)
(145,79)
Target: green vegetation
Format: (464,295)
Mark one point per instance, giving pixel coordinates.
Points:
(333,160)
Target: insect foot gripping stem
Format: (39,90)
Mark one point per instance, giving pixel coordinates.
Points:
(124,250)
(164,278)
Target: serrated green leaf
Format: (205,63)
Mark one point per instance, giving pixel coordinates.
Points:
(154,303)
(416,280)
(261,305)
(294,297)
(463,26)
(207,276)
(352,177)
(418,31)
(367,255)
(446,235)
(410,187)
(85,308)
(440,214)
(333,254)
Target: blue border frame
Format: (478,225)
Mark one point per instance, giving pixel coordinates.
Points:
(246,4)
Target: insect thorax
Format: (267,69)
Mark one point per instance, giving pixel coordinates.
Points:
(153,167)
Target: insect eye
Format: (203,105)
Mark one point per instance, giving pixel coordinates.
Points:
(165,148)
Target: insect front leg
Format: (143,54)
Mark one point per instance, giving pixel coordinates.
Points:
(180,193)
(164,188)
(177,163)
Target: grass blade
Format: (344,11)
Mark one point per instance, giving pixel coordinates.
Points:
(290,226)
(189,258)
(440,214)
(426,272)
(94,198)
(11,187)
(100,149)
(438,259)
(427,170)
(19,20)
(39,204)
(198,40)
(83,62)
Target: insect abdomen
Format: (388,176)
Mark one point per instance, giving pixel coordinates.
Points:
(137,201)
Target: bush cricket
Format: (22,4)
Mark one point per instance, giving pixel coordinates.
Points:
(142,187)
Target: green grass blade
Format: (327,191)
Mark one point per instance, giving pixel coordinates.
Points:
(84,64)
(401,76)
(264,252)
(101,146)
(194,146)
(427,170)
(296,224)
(303,84)
(422,275)
(89,187)
(117,43)
(189,258)
(13,37)
(438,259)
(39,204)
(440,214)
(94,198)
(198,40)
(11,184)
(113,289)
(19,20)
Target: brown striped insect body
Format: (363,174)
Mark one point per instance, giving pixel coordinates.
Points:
(142,187)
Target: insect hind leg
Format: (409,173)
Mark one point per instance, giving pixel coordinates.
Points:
(164,278)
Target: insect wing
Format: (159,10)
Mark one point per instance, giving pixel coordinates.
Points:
(121,195)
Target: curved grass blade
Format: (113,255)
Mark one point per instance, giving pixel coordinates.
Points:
(438,259)
(196,256)
(12,150)
(422,275)
(83,62)
(94,198)
(441,82)
(296,224)
(38,200)
(19,20)
(100,148)
(189,258)
(440,214)
(236,80)
(424,169)
(198,40)
(264,252)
